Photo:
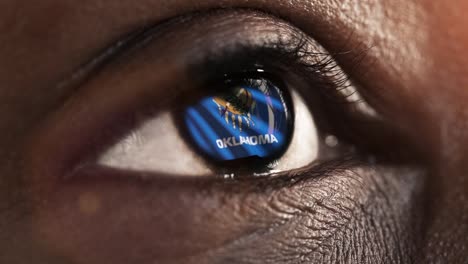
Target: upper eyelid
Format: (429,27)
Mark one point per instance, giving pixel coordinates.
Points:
(122,49)
(138,37)
(141,37)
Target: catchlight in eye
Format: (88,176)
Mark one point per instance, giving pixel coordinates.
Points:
(250,119)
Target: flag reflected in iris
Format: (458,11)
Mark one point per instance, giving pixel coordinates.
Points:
(247,120)
(236,107)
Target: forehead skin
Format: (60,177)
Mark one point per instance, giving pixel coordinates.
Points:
(418,77)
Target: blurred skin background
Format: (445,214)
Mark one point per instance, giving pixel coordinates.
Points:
(69,69)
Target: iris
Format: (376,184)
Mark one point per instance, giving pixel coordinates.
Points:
(250,119)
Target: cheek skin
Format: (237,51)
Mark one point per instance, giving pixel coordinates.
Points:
(316,220)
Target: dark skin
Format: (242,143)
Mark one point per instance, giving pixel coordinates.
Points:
(412,211)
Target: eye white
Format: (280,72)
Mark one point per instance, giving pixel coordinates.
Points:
(304,145)
(157,146)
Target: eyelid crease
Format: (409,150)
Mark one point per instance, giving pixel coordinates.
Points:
(143,35)
(297,46)
(99,61)
(128,42)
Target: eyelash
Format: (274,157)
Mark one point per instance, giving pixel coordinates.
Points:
(325,80)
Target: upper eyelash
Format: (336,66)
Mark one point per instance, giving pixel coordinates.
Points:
(323,71)
(342,82)
(327,66)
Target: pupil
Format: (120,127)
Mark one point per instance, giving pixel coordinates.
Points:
(250,120)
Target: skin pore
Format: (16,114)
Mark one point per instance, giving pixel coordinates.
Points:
(413,73)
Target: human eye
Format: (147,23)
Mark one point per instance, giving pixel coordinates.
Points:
(267,101)
(249,125)
(205,129)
